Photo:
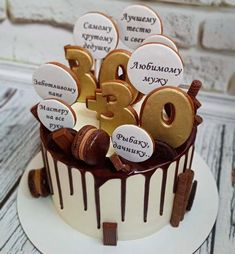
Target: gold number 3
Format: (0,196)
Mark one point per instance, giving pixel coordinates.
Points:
(81,62)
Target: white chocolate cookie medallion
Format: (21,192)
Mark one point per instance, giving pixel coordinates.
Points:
(160,38)
(154,65)
(54,80)
(136,23)
(97,33)
(54,114)
(132,143)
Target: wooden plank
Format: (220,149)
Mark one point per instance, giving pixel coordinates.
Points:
(216,144)
(225,225)
(209,144)
(13,239)
(19,135)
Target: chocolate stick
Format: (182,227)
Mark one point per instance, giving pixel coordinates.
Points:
(192,196)
(194,88)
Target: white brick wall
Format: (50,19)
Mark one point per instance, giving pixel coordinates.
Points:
(36,31)
(219,33)
(2,10)
(214,70)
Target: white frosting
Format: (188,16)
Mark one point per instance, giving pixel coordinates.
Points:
(54,114)
(97,33)
(132,143)
(53,81)
(154,65)
(133,226)
(136,23)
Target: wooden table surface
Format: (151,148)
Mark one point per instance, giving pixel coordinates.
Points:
(19,139)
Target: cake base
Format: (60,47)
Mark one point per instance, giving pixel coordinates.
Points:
(50,234)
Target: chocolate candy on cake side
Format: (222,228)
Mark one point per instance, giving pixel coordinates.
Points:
(37,182)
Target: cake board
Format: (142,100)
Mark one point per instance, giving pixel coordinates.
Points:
(50,234)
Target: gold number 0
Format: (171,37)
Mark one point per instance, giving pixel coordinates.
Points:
(175,128)
(109,71)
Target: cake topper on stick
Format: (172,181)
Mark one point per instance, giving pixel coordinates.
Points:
(160,38)
(132,143)
(115,112)
(136,23)
(174,128)
(55,114)
(97,33)
(55,80)
(110,70)
(154,65)
(81,62)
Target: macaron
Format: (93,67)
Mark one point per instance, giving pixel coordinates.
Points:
(90,145)
(37,182)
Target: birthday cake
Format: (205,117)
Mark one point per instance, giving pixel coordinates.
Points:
(117,134)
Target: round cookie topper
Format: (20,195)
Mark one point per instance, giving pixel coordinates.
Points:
(54,80)
(136,23)
(160,38)
(55,114)
(132,143)
(97,33)
(154,65)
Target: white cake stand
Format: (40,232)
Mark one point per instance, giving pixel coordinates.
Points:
(50,234)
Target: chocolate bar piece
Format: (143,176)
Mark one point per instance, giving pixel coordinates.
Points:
(197,120)
(118,164)
(110,233)
(64,138)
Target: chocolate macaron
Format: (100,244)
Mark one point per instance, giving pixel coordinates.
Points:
(90,145)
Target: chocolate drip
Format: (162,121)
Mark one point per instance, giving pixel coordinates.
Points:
(123,198)
(146,196)
(176,175)
(191,159)
(105,172)
(70,180)
(48,173)
(58,184)
(163,189)
(97,202)
(84,190)
(185,161)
